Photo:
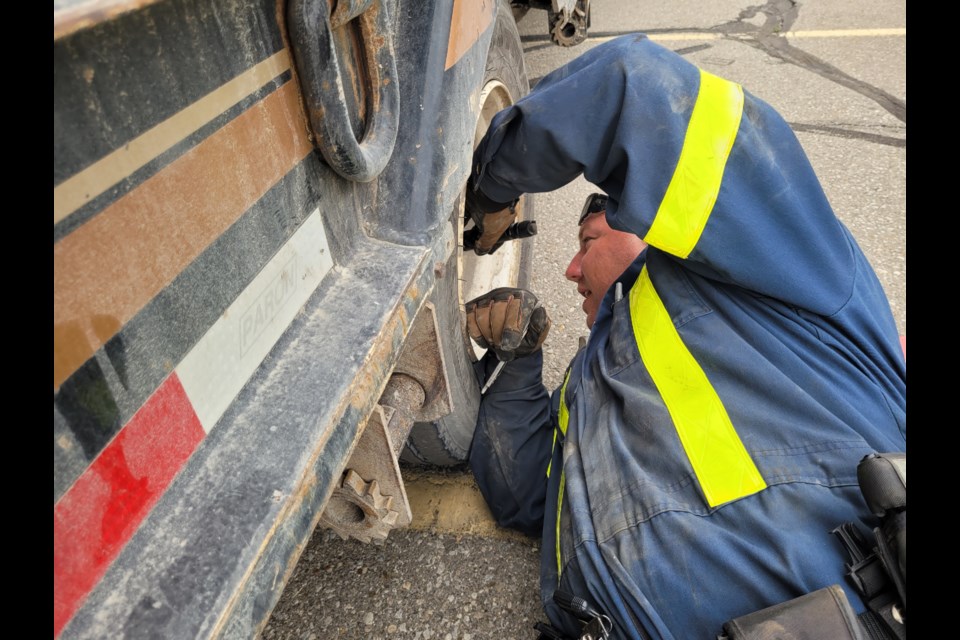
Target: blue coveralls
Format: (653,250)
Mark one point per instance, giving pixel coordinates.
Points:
(706,439)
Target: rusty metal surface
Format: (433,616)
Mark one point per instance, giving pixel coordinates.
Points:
(370,500)
(422,360)
(358,509)
(320,65)
(346,10)
(404,396)
(568,24)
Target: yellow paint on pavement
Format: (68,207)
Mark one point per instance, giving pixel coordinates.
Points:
(451,503)
(847,33)
(701,36)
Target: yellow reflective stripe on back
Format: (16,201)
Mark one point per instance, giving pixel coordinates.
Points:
(553,447)
(693,189)
(721,463)
(559,504)
(562,418)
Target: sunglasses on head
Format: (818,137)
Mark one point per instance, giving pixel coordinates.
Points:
(596,202)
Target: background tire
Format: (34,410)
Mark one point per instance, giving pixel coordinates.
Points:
(446,442)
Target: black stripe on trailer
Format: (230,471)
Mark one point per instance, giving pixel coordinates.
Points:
(85,419)
(161,67)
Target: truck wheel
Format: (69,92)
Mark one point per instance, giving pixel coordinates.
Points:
(446,442)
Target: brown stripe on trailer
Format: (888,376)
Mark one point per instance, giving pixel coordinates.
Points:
(469,20)
(109,268)
(86,185)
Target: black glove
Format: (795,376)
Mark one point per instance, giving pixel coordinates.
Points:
(491,218)
(509,321)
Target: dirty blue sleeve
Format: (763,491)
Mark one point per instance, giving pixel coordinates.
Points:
(618,115)
(512,443)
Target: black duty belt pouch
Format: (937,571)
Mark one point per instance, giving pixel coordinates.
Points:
(878,568)
(883,481)
(825,613)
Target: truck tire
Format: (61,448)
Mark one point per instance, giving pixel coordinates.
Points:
(446,442)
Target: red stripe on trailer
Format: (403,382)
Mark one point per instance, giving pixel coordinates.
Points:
(101,511)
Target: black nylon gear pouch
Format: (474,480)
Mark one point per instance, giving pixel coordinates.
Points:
(825,613)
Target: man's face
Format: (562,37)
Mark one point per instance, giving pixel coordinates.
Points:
(603,256)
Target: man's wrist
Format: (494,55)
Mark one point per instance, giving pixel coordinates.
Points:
(517,374)
(479,201)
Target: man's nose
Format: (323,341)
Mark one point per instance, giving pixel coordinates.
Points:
(573,269)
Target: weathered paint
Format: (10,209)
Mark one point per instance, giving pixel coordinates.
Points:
(117,81)
(470,19)
(293,425)
(97,516)
(261,588)
(108,269)
(197,395)
(224,359)
(88,184)
(68,19)
(101,396)
(357,149)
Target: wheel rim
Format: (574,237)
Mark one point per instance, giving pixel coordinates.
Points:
(479,274)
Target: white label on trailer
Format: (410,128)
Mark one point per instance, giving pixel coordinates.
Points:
(223,360)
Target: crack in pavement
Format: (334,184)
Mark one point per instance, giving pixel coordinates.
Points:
(770,37)
(852,134)
(780,15)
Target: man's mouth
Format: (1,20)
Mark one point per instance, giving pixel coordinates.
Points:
(586,293)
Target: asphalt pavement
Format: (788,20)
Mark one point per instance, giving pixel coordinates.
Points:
(837,72)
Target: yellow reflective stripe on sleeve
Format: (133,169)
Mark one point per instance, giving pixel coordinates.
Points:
(721,463)
(693,189)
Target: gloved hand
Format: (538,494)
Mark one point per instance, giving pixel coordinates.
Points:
(491,218)
(509,321)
